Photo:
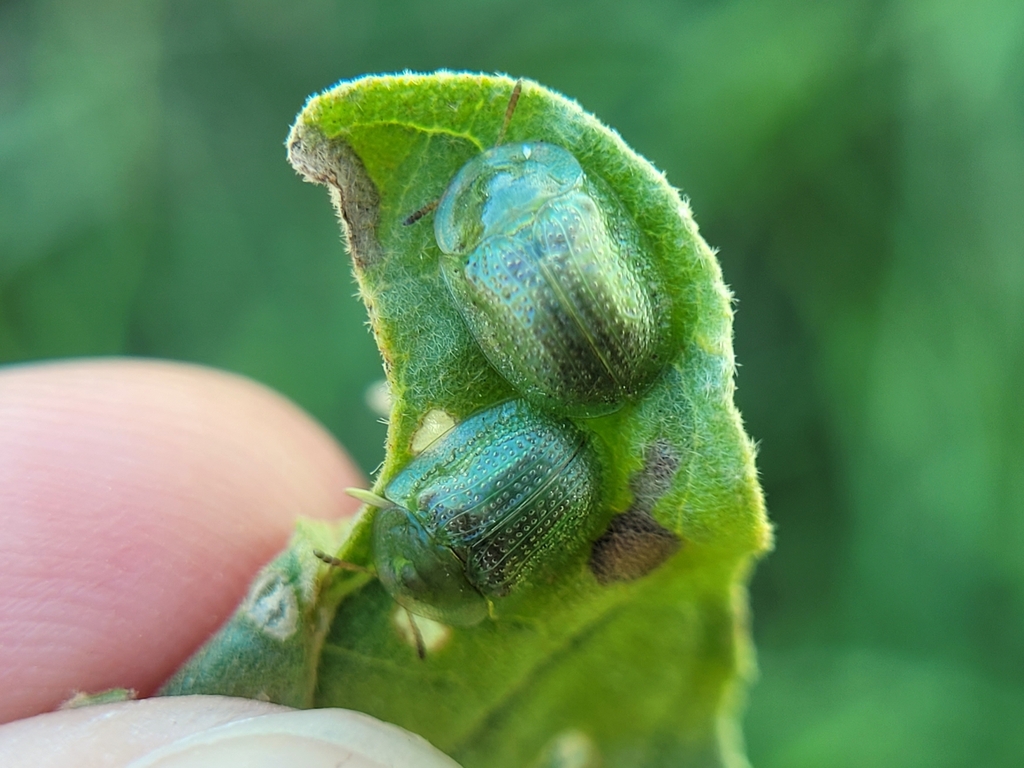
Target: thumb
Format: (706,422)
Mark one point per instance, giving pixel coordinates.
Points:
(214,731)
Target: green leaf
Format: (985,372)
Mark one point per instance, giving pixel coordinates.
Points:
(634,652)
(269,648)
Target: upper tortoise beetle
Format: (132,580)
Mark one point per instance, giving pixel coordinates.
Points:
(548,277)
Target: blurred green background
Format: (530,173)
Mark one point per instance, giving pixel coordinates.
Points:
(859,164)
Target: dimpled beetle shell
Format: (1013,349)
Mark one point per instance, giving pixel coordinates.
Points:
(477,511)
(550,296)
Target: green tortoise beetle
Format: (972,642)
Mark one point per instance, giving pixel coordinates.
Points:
(550,282)
(481,509)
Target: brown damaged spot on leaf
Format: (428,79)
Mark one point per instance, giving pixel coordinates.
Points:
(661,462)
(332,163)
(633,546)
(635,543)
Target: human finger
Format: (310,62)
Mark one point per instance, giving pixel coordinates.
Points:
(137,501)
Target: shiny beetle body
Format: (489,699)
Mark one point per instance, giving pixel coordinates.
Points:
(480,509)
(549,285)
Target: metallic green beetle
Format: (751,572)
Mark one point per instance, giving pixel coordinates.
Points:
(551,287)
(481,508)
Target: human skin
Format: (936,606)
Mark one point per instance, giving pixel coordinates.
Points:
(137,501)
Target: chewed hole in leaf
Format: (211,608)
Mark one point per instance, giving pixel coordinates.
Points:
(378,398)
(570,749)
(433,634)
(434,424)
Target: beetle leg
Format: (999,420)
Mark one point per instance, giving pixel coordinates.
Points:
(510,110)
(412,218)
(421,647)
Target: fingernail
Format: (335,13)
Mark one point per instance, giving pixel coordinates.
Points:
(316,738)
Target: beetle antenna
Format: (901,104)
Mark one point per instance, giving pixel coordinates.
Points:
(412,218)
(421,647)
(337,563)
(510,110)
(369,497)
